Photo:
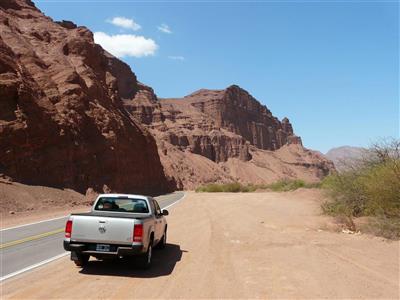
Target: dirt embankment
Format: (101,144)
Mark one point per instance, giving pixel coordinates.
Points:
(258,245)
(21,204)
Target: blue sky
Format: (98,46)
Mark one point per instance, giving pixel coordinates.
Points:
(331,67)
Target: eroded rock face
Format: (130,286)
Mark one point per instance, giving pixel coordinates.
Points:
(207,136)
(144,105)
(216,146)
(237,111)
(187,128)
(217,124)
(62,120)
(72,115)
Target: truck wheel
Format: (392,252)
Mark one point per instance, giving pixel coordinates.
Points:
(145,259)
(82,260)
(163,242)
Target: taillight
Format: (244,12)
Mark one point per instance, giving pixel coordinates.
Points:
(68,229)
(138,233)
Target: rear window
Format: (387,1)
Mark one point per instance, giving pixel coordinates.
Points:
(122,205)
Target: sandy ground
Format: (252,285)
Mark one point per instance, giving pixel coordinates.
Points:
(257,245)
(23,204)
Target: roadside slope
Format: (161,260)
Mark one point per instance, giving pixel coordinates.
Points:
(258,245)
(21,204)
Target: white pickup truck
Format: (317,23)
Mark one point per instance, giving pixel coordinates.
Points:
(118,225)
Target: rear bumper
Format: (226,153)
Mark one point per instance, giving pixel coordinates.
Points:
(119,250)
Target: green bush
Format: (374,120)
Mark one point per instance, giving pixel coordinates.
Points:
(211,188)
(286,185)
(290,185)
(370,188)
(279,186)
(370,191)
(234,187)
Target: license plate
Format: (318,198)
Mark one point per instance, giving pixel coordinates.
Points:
(103,248)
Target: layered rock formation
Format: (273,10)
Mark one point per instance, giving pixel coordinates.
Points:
(224,136)
(190,129)
(62,120)
(72,115)
(236,110)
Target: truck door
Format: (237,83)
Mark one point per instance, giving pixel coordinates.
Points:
(159,227)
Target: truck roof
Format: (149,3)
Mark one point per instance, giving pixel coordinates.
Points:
(123,196)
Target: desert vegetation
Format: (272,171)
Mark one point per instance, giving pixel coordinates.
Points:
(369,187)
(282,185)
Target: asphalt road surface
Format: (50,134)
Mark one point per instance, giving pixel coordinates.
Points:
(26,246)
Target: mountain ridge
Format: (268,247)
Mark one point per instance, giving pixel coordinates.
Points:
(344,155)
(72,115)
(219,136)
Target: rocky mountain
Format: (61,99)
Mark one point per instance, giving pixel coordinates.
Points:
(237,111)
(62,119)
(224,136)
(72,115)
(345,155)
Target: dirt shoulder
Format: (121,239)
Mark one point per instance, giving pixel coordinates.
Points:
(23,204)
(253,245)
(28,217)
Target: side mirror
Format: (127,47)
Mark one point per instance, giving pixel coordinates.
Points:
(165,212)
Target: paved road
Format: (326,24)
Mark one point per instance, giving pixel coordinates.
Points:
(25,246)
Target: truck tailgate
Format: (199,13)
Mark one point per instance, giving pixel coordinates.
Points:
(95,229)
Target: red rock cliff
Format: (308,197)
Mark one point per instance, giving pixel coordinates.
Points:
(206,137)
(62,120)
(237,111)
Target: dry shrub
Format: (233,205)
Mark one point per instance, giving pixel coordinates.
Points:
(370,187)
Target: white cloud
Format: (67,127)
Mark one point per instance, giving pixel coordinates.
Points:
(125,23)
(164,28)
(176,57)
(121,45)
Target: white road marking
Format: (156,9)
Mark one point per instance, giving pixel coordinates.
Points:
(33,266)
(184,195)
(54,257)
(48,220)
(58,218)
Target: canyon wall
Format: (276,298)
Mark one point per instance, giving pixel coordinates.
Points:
(62,119)
(72,115)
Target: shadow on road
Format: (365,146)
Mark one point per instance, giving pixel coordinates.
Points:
(163,264)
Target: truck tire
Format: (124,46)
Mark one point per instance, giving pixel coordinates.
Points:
(146,259)
(163,242)
(82,260)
